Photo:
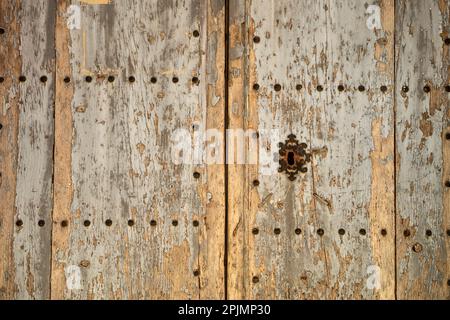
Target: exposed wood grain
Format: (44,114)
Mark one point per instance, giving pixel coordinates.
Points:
(377,185)
(237,180)
(28,105)
(422,151)
(113,150)
(10,70)
(63,189)
(350,183)
(212,239)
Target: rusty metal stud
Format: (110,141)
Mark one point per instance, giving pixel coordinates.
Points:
(277,87)
(428,233)
(67,79)
(362,232)
(426,89)
(196,273)
(195,33)
(108,222)
(255,279)
(361,88)
(86,223)
(131,79)
(341,87)
(448,232)
(22,78)
(255,86)
(41,223)
(406,233)
(383,232)
(256,39)
(293,157)
(447,88)
(405,89)
(195,223)
(130,222)
(2,31)
(1,126)
(153,80)
(319,88)
(255,231)
(277,231)
(2,79)
(447,183)
(111,79)
(417,247)
(43,79)
(255,183)
(64,223)
(85,263)
(341,232)
(383,89)
(153,223)
(447,41)
(298,231)
(320,232)
(19,223)
(447,135)
(298,87)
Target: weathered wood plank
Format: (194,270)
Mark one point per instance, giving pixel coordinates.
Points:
(422,122)
(27,65)
(10,69)
(350,183)
(113,151)
(237,180)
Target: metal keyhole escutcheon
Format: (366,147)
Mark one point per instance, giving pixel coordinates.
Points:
(293,157)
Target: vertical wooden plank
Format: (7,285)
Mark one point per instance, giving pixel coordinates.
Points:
(237,235)
(422,122)
(63,188)
(27,160)
(330,233)
(133,224)
(34,200)
(212,239)
(10,70)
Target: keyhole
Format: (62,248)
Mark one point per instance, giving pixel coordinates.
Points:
(290,158)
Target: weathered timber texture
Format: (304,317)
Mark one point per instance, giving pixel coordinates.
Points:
(113,151)
(350,182)
(27,55)
(93,206)
(423,152)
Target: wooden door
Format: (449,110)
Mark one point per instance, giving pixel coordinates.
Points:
(127,223)
(365,87)
(214,149)
(317,76)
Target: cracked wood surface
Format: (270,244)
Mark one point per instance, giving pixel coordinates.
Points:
(350,182)
(113,156)
(26,147)
(423,153)
(75,154)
